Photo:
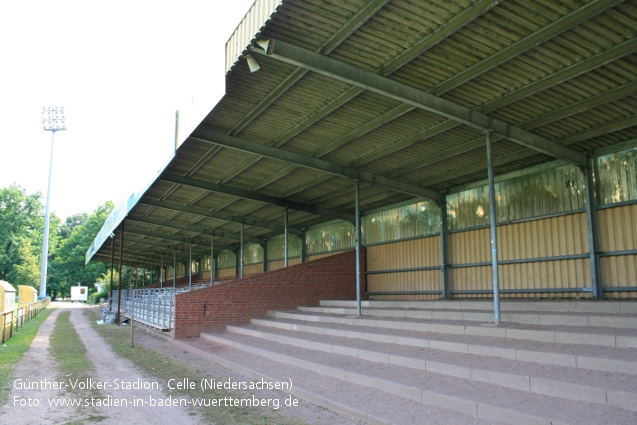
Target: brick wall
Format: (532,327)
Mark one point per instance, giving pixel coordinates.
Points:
(237,301)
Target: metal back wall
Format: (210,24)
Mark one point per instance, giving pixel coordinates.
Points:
(407,266)
(618,235)
(546,254)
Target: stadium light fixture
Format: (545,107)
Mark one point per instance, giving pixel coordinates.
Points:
(52,120)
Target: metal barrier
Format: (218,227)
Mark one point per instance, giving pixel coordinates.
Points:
(15,319)
(152,306)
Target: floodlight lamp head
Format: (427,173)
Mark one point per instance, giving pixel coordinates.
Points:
(266,45)
(53,119)
(252,63)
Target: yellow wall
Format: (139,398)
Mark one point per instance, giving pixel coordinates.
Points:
(618,232)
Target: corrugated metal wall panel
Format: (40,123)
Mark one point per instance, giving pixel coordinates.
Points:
(423,252)
(471,279)
(425,280)
(473,246)
(227,272)
(618,232)
(619,271)
(252,269)
(618,228)
(555,236)
(326,254)
(278,264)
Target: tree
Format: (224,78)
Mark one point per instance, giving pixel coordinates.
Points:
(68,268)
(21,230)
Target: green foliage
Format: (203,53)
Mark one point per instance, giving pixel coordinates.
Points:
(21,222)
(21,234)
(67,267)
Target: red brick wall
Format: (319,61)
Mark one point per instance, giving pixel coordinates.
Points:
(237,301)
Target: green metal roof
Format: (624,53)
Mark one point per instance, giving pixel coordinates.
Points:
(395,93)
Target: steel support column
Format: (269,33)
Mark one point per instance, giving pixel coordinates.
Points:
(445,281)
(161,272)
(265,256)
(241,255)
(212,260)
(174,268)
(286,240)
(303,248)
(190,269)
(119,287)
(358,248)
(593,235)
(110,295)
(494,232)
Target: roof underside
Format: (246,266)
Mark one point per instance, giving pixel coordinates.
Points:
(397,94)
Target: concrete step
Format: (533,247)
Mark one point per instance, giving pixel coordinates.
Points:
(498,400)
(603,336)
(617,389)
(362,403)
(613,320)
(582,356)
(582,306)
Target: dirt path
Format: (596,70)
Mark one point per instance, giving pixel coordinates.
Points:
(113,370)
(37,365)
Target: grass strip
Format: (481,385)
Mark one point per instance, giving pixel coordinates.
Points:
(74,365)
(163,368)
(14,348)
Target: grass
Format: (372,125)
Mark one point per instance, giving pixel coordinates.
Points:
(73,363)
(163,368)
(14,348)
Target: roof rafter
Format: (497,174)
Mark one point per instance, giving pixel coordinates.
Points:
(177,239)
(309,162)
(351,74)
(197,229)
(255,196)
(219,215)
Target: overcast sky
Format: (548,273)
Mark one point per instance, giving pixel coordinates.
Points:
(120,69)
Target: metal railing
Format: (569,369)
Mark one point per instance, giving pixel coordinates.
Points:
(13,320)
(152,306)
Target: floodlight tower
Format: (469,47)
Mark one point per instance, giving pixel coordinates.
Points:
(52,120)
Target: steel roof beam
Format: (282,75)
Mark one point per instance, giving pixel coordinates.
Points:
(458,21)
(255,196)
(176,238)
(525,153)
(218,214)
(309,162)
(547,82)
(351,74)
(167,249)
(195,228)
(572,109)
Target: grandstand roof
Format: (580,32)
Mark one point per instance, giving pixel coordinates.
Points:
(395,93)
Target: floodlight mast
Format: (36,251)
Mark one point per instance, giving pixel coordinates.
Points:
(52,120)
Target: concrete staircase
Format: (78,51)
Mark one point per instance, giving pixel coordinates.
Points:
(444,362)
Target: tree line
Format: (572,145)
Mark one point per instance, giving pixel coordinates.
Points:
(21,237)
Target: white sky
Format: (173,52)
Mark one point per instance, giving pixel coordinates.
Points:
(120,69)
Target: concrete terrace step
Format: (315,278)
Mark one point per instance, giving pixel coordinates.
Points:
(611,337)
(595,387)
(614,307)
(607,359)
(367,404)
(479,399)
(524,317)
